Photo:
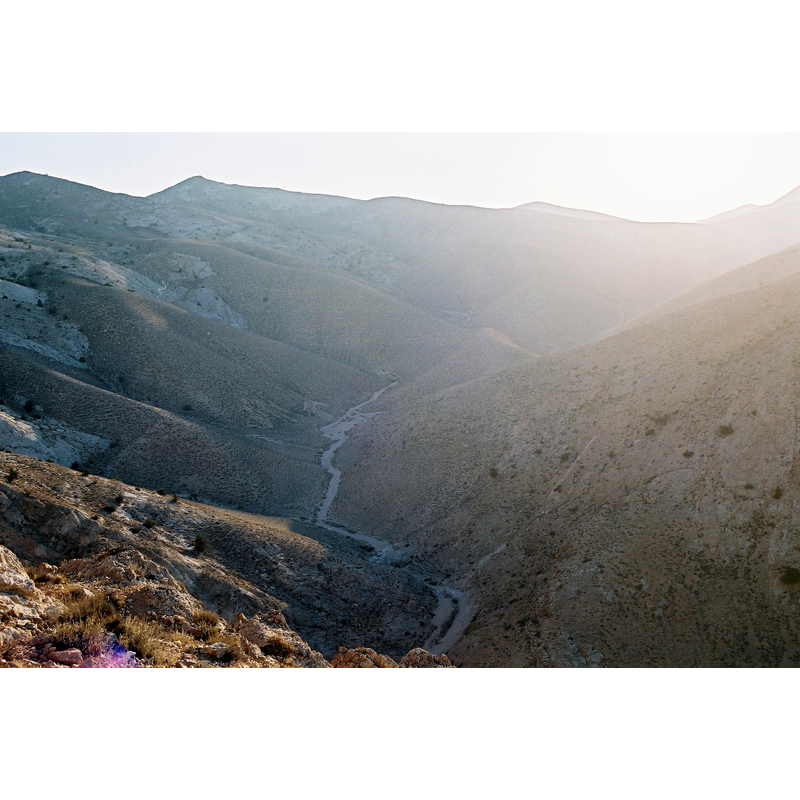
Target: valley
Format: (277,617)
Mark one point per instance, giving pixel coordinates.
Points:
(519,437)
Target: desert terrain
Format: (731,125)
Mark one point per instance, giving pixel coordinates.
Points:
(518,437)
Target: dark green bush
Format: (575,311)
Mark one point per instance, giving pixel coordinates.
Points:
(790,576)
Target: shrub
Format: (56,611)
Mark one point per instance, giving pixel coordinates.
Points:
(688,453)
(119,499)
(206,625)
(40,575)
(777,492)
(162,492)
(200,543)
(28,406)
(725,430)
(277,647)
(649,432)
(149,523)
(12,475)
(790,576)
(493,473)
(205,617)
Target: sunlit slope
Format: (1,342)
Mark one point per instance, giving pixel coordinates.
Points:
(774,226)
(547,280)
(775,267)
(331,315)
(629,503)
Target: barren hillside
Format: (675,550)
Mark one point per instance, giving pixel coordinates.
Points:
(629,503)
(580,447)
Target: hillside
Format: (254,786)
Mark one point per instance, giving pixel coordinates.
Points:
(545,277)
(522,437)
(112,575)
(630,503)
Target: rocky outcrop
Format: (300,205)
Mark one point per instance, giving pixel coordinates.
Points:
(419,658)
(95,573)
(22,605)
(273,637)
(361,657)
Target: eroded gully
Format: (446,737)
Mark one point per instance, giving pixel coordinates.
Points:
(453,611)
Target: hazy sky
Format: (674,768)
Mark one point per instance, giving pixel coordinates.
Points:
(423,65)
(681,177)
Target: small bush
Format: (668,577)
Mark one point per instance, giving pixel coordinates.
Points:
(205,617)
(28,406)
(12,475)
(493,473)
(109,509)
(146,639)
(649,432)
(200,543)
(119,499)
(777,492)
(688,453)
(206,625)
(39,575)
(278,648)
(162,492)
(749,486)
(790,576)
(187,407)
(149,523)
(174,499)
(725,430)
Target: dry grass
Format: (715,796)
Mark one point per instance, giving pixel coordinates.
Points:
(88,623)
(278,648)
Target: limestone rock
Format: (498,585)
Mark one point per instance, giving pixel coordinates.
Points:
(70,657)
(20,600)
(419,658)
(361,657)
(272,636)
(13,578)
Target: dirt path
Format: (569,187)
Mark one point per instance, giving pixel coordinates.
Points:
(454,611)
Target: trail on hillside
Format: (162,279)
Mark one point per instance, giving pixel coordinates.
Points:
(453,611)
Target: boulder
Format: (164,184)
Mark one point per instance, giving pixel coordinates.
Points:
(13,578)
(69,657)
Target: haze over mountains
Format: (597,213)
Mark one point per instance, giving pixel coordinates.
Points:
(589,448)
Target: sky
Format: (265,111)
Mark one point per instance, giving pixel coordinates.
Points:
(407,76)
(643,176)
